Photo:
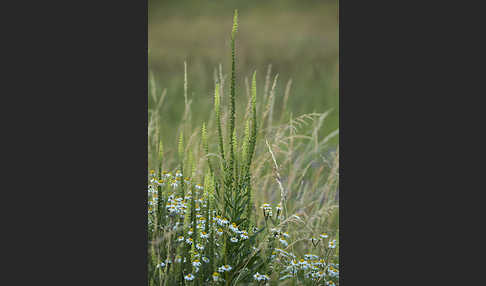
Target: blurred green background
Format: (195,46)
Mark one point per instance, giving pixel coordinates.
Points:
(299,38)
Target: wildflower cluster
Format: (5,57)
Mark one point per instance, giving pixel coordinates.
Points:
(310,267)
(319,267)
(195,236)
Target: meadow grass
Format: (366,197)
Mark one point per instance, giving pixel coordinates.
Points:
(299,39)
(249,196)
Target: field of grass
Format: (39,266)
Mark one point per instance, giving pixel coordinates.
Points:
(299,39)
(244,182)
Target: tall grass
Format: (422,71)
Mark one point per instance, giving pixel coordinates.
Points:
(300,41)
(247,196)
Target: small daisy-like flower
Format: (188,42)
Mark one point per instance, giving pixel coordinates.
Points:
(244,235)
(199,187)
(234,228)
(319,263)
(189,277)
(261,277)
(180,238)
(332,244)
(257,276)
(196,263)
(189,241)
(204,234)
(234,239)
(199,246)
(219,232)
(224,222)
(190,231)
(224,268)
(205,259)
(286,234)
(320,274)
(178,174)
(267,210)
(162,264)
(311,256)
(216,276)
(304,264)
(324,235)
(333,271)
(283,242)
(330,283)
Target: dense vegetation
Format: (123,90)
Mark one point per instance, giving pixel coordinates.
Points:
(248,197)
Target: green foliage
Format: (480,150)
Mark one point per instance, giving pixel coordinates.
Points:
(195,231)
(300,41)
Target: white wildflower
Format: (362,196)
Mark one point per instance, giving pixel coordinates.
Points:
(332,244)
(189,277)
(224,268)
(196,263)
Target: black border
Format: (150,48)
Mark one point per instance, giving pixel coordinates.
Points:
(75,189)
